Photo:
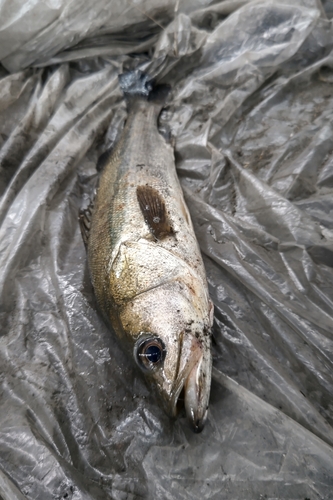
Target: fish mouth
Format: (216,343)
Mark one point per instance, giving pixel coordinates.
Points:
(197,395)
(194,390)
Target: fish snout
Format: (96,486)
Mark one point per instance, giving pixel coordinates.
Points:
(190,389)
(197,391)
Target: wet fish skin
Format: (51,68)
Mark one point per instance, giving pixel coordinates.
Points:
(151,284)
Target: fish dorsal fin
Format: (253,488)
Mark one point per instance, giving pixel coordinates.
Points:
(154,212)
(104,159)
(85,220)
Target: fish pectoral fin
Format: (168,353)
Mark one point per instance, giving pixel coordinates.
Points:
(85,220)
(154,212)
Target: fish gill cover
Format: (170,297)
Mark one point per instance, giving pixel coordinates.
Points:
(250,113)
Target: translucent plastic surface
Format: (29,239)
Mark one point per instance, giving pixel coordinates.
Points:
(251,118)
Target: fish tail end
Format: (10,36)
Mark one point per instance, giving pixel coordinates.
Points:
(138,85)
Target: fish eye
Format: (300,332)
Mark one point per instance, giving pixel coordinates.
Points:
(149,353)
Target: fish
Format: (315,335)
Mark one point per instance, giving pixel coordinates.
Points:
(144,260)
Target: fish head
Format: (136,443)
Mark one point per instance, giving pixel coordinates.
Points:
(168,329)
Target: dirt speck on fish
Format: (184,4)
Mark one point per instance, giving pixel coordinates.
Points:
(145,263)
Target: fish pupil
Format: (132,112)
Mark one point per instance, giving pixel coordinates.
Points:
(153,353)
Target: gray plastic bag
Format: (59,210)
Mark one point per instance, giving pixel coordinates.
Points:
(250,112)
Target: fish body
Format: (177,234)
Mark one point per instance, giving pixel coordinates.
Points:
(146,267)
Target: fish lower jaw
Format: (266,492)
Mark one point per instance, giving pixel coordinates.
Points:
(196,415)
(186,401)
(189,398)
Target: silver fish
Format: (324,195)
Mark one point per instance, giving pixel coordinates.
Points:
(145,263)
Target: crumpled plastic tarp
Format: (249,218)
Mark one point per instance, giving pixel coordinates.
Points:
(251,117)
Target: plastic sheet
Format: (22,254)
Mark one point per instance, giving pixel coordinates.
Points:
(250,112)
